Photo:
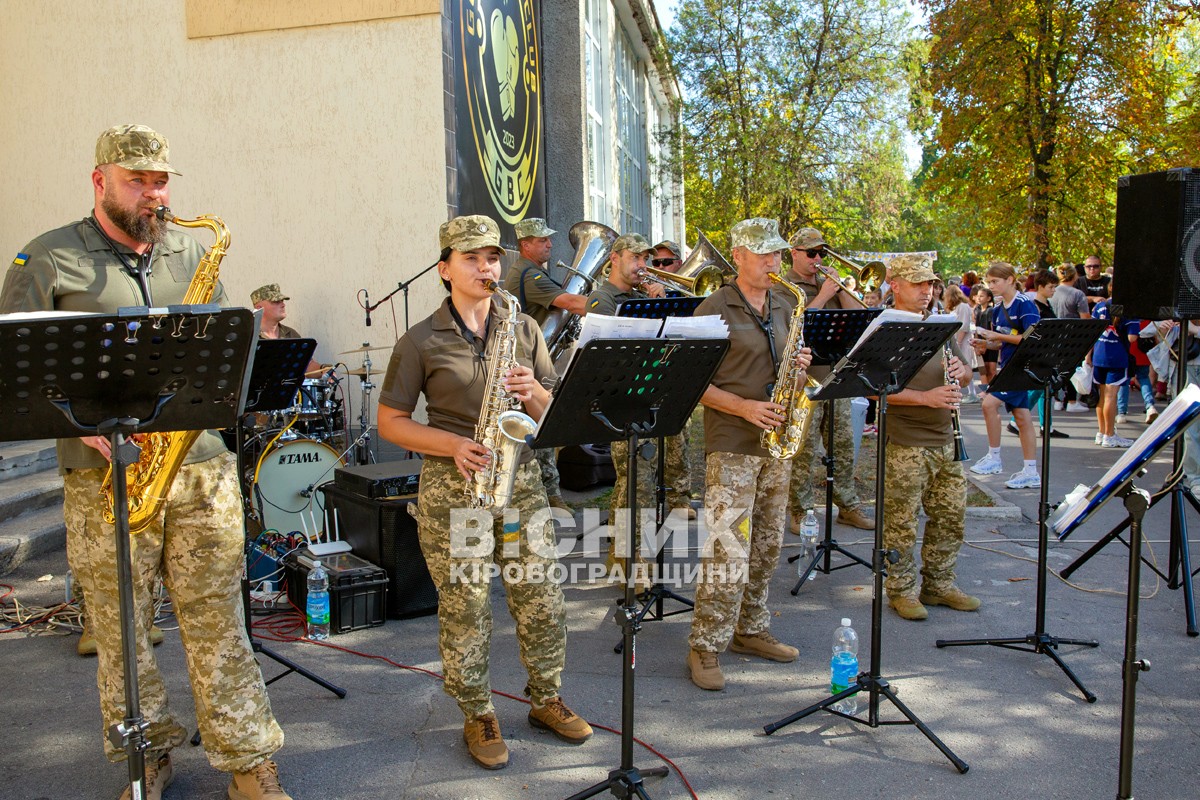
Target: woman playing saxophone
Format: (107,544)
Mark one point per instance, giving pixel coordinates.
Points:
(472,359)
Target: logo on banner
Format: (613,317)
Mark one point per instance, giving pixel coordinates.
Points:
(502,72)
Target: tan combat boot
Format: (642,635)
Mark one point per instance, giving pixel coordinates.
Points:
(159,775)
(954,598)
(705,670)
(909,608)
(484,742)
(855,518)
(763,645)
(260,783)
(561,721)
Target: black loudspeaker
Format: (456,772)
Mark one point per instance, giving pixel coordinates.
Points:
(1156,266)
(382,532)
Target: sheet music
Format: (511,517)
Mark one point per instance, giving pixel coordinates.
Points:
(602,326)
(896,315)
(28,316)
(709,326)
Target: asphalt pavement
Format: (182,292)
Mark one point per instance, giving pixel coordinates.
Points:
(1014,717)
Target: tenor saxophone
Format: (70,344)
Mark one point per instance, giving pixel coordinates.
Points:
(149,480)
(501,428)
(784,441)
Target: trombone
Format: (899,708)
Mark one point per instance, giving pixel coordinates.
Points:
(868,276)
(706,280)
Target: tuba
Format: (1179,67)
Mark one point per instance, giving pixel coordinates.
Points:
(501,428)
(592,242)
(162,454)
(784,442)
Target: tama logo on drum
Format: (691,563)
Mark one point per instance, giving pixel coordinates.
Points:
(300,458)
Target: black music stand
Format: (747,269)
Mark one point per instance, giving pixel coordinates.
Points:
(628,389)
(881,365)
(142,370)
(830,333)
(277,374)
(1179,568)
(656,596)
(1044,360)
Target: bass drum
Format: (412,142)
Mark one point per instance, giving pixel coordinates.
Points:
(285,492)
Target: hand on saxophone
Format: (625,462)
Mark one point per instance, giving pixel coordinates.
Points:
(100,443)
(803,358)
(471,457)
(763,414)
(519,382)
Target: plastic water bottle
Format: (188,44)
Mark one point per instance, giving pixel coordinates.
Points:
(810,532)
(318,602)
(843,666)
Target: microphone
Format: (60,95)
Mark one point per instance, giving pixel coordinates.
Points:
(367,303)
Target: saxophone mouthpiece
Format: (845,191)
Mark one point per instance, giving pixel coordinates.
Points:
(492,286)
(164,213)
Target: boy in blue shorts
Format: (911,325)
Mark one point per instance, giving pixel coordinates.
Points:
(1110,371)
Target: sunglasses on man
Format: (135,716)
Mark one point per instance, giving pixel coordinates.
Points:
(813,253)
(663,262)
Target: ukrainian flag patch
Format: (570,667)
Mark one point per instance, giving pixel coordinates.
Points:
(21,259)
(594,304)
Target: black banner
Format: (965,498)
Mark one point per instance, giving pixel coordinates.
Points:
(498,110)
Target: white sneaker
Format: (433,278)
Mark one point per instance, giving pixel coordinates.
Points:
(1099,437)
(988,465)
(1151,415)
(1076,408)
(1024,480)
(1117,441)
(1122,419)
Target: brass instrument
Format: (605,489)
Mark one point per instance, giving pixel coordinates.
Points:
(592,242)
(784,442)
(705,254)
(869,276)
(706,280)
(501,428)
(960,447)
(162,454)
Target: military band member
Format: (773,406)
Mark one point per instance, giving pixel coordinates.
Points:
(446,357)
(273,303)
(123,255)
(528,280)
(807,251)
(921,468)
(745,500)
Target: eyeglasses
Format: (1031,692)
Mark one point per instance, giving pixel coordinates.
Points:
(816,252)
(663,262)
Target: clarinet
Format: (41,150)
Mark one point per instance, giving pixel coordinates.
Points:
(960,447)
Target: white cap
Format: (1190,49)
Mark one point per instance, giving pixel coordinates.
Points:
(845,622)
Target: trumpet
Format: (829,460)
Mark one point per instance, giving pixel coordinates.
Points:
(706,280)
(869,276)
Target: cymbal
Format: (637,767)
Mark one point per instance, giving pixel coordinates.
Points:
(360,372)
(366,348)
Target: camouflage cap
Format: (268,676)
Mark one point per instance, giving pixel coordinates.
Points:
(533,227)
(267,294)
(632,241)
(912,267)
(669,245)
(469,232)
(758,235)
(134,147)
(807,239)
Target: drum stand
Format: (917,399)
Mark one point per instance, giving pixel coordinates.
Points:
(362,445)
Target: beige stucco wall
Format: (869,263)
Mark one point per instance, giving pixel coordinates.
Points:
(322,147)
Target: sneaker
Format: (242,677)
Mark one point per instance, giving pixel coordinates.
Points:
(561,721)
(763,645)
(1122,419)
(855,518)
(1151,415)
(705,670)
(1099,438)
(988,465)
(909,608)
(1011,428)
(159,775)
(260,783)
(969,399)
(1116,441)
(1055,433)
(1024,479)
(870,430)
(1076,407)
(952,598)
(484,742)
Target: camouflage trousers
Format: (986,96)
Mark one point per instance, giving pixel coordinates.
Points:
(845,496)
(196,547)
(676,477)
(458,564)
(547,459)
(745,499)
(928,477)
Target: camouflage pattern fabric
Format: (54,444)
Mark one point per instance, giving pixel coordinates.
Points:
(929,477)
(547,459)
(196,546)
(677,479)
(464,588)
(744,502)
(845,495)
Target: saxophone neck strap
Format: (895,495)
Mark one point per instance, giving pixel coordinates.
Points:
(479,348)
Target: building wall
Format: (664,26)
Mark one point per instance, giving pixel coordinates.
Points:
(321,147)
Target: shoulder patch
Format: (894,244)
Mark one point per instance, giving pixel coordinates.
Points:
(21,259)
(537,275)
(593,304)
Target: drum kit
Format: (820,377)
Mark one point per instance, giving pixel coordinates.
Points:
(290,452)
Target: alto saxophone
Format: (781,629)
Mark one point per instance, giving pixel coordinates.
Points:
(501,428)
(149,480)
(784,442)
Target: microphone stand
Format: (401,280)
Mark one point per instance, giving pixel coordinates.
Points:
(400,287)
